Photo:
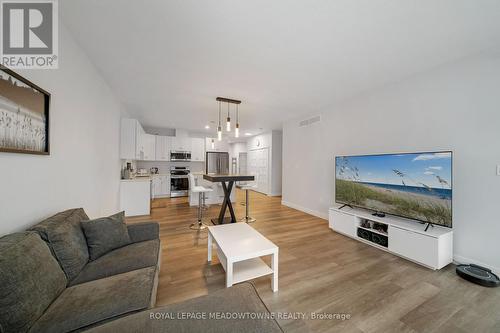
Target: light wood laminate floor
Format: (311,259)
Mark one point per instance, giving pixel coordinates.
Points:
(321,271)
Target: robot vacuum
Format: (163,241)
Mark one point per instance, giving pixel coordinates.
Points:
(478,275)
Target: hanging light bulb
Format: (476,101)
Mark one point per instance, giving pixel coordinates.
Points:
(228,120)
(219,128)
(213,144)
(237,128)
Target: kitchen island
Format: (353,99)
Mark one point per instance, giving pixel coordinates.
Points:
(227,182)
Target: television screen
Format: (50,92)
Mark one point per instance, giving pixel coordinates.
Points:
(416,186)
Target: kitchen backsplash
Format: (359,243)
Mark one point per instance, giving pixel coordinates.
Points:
(164,167)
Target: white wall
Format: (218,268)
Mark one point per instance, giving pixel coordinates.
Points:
(83,169)
(454,107)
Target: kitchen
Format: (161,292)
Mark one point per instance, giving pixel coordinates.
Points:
(159,164)
(156,163)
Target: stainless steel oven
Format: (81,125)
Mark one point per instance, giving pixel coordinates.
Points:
(180,156)
(179,181)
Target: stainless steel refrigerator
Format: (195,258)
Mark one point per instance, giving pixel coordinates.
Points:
(217,162)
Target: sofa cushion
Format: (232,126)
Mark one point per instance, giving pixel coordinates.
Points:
(92,302)
(143,231)
(105,234)
(30,280)
(125,259)
(66,240)
(241,299)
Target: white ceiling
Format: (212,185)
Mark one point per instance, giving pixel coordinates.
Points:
(167,60)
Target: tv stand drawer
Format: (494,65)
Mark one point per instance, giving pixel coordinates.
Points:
(414,246)
(343,223)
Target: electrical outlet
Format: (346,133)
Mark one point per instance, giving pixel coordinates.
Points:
(498,169)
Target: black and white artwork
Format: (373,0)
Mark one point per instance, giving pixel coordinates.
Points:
(24,115)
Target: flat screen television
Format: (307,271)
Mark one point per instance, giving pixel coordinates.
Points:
(417,186)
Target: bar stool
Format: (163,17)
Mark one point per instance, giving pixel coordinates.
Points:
(201,199)
(247,218)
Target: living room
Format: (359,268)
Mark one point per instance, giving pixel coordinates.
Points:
(291,100)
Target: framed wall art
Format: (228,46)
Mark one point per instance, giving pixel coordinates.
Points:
(24,115)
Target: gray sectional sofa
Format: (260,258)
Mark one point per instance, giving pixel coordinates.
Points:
(49,284)
(236,309)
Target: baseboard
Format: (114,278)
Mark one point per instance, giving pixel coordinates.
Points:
(462,260)
(321,215)
(277,194)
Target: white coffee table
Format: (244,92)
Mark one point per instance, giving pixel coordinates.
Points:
(239,248)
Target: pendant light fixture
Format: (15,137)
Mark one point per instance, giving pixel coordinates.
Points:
(237,128)
(213,144)
(228,120)
(219,128)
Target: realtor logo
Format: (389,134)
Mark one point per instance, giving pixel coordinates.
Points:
(29,34)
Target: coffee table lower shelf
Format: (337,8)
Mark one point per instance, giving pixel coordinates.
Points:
(250,269)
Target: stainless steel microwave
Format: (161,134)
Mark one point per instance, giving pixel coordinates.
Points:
(176,155)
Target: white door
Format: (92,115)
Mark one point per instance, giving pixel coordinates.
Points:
(258,165)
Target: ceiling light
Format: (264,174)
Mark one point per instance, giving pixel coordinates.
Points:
(219,128)
(228,120)
(248,134)
(207,127)
(237,128)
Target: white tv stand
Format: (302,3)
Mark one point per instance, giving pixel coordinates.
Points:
(406,238)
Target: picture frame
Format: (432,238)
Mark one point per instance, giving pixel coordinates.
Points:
(24,115)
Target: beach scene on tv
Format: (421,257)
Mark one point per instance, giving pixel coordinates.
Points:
(416,186)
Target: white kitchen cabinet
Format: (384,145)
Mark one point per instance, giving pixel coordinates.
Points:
(217,145)
(139,145)
(181,143)
(130,137)
(197,150)
(161,186)
(163,147)
(146,147)
(135,144)
(135,197)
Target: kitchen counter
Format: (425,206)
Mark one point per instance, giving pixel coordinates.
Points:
(137,179)
(146,178)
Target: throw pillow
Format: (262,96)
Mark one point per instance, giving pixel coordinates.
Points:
(65,238)
(105,234)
